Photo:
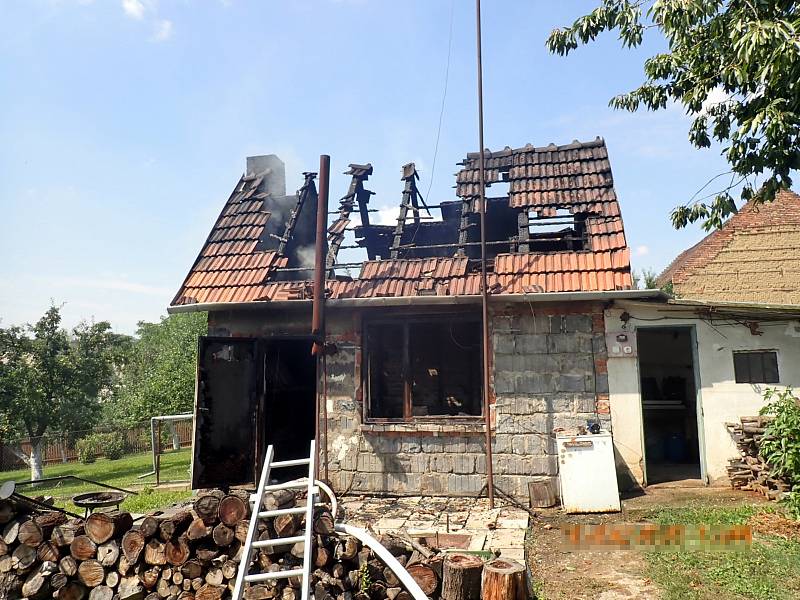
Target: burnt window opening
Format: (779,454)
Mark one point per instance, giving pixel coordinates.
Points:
(756,367)
(424,368)
(563,231)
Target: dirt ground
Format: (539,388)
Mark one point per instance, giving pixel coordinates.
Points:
(564,573)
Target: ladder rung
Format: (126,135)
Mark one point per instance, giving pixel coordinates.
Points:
(265,514)
(278,541)
(290,463)
(289,485)
(273,575)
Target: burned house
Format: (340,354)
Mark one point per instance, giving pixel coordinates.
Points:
(403,390)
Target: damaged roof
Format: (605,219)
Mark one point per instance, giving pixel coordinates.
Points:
(753,257)
(557,229)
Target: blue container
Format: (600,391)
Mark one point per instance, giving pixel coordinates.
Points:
(676,448)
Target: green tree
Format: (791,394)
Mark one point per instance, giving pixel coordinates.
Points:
(50,380)
(747,52)
(159,378)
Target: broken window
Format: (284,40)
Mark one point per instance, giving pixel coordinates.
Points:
(756,367)
(425,367)
(563,231)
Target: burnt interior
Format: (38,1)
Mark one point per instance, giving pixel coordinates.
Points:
(266,386)
(424,367)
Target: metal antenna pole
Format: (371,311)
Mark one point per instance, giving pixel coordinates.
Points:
(484,286)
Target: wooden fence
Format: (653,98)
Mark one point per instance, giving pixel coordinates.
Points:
(63,449)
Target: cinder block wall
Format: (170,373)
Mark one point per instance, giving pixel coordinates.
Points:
(549,371)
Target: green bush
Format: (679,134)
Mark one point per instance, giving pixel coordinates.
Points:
(780,446)
(110,445)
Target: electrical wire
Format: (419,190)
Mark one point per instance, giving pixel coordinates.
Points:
(444,97)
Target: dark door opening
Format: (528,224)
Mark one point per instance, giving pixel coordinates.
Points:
(669,403)
(289,402)
(252,393)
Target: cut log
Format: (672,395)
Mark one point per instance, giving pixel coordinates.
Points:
(322,556)
(162,588)
(214,576)
(48,551)
(11,531)
(503,579)
(323,522)
(72,591)
(149,577)
(23,557)
(346,549)
(148,527)
(7,512)
(461,577)
(3,547)
(83,548)
(174,526)
(286,525)
(101,527)
(37,583)
(229,569)
(124,565)
(30,534)
(68,566)
(133,543)
(58,581)
(177,551)
(91,573)
(101,592)
(232,509)
(49,520)
(154,553)
(112,579)
(63,535)
(10,586)
(130,588)
(108,553)
(279,499)
(240,530)
(209,592)
(191,569)
(198,530)
(425,577)
(207,506)
(222,535)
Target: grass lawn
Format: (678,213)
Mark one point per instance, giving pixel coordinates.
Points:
(770,569)
(122,473)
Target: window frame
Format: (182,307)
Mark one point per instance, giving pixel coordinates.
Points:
(748,355)
(406,322)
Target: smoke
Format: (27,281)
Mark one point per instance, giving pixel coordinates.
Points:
(306,256)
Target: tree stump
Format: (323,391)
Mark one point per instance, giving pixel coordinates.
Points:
(503,579)
(461,577)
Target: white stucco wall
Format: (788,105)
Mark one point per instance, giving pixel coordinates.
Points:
(721,398)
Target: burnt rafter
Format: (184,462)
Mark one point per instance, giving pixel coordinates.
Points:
(308,190)
(411,200)
(355,193)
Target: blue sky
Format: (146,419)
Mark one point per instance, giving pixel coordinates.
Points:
(126,123)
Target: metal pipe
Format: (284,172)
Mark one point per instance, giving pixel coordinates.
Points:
(318,307)
(484,284)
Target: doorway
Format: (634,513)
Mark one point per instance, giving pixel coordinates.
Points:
(251,393)
(668,386)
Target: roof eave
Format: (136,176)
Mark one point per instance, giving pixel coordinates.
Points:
(424,300)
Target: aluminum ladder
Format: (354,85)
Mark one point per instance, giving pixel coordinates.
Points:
(257,514)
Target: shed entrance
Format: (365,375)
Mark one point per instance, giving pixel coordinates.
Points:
(670,415)
(251,392)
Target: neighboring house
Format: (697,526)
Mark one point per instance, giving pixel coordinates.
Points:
(754,257)
(706,357)
(404,378)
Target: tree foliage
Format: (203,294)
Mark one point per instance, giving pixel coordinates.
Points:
(51,380)
(749,50)
(160,375)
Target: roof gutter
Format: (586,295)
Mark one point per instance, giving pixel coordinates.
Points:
(657,295)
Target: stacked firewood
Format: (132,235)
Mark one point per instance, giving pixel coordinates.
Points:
(192,552)
(749,471)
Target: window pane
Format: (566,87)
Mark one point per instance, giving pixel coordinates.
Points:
(756,367)
(445,368)
(771,367)
(385,348)
(740,367)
